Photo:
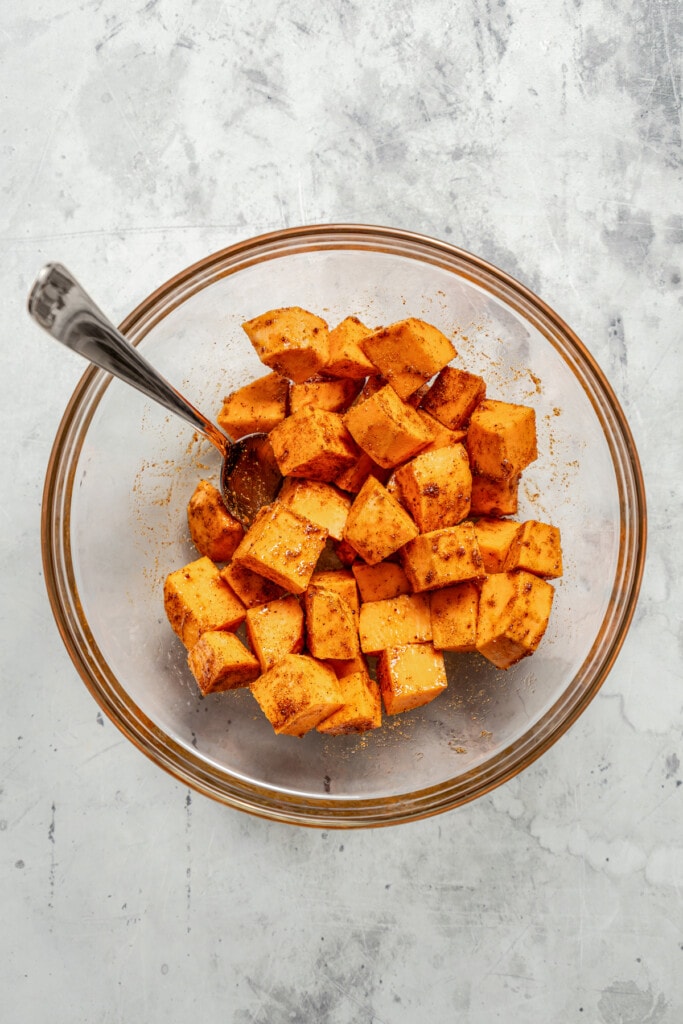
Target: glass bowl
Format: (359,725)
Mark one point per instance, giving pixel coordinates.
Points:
(114,524)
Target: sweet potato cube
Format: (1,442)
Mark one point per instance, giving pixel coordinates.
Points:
(441,435)
(219,661)
(442,557)
(494,537)
(494,497)
(388,429)
(377,526)
(215,533)
(353,478)
(313,443)
(501,439)
(347,358)
(454,617)
(454,396)
(380,582)
(436,487)
(275,629)
(297,693)
(251,588)
(361,710)
(291,341)
(282,546)
(197,600)
(536,548)
(346,554)
(346,666)
(331,628)
(332,395)
(399,620)
(317,501)
(410,676)
(408,353)
(342,582)
(256,407)
(514,608)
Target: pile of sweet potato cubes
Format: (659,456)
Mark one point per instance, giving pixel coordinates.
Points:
(389,539)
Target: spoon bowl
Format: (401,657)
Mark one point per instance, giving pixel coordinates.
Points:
(250,477)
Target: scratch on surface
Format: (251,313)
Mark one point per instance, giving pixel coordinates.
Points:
(492,971)
(188,850)
(53,858)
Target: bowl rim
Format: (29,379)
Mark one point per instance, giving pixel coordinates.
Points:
(325,811)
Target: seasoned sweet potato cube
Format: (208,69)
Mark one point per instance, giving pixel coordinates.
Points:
(441,435)
(380,582)
(346,666)
(454,396)
(410,676)
(282,546)
(388,429)
(275,629)
(291,341)
(313,443)
(408,353)
(361,710)
(251,588)
(454,617)
(501,439)
(317,501)
(219,661)
(347,358)
(197,600)
(255,408)
(332,395)
(342,582)
(436,487)
(331,628)
(514,608)
(377,526)
(399,620)
(297,693)
(536,548)
(494,497)
(442,557)
(215,533)
(346,554)
(494,537)
(353,478)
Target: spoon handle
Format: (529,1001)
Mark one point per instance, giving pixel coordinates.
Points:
(61,306)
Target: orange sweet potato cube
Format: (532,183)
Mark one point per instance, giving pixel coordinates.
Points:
(215,533)
(536,547)
(347,358)
(322,503)
(494,497)
(404,619)
(346,666)
(501,439)
(454,396)
(251,588)
(494,537)
(436,487)
(514,608)
(275,629)
(410,676)
(256,407)
(197,600)
(361,710)
(291,341)
(408,353)
(442,557)
(313,443)
(282,546)
(377,526)
(331,628)
(454,617)
(297,693)
(353,478)
(342,582)
(219,661)
(380,582)
(332,395)
(388,429)
(441,435)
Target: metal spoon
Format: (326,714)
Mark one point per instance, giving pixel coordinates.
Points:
(250,477)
